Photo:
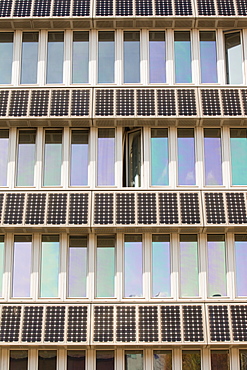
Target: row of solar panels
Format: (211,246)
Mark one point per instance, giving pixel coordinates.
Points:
(123,103)
(124,324)
(130,208)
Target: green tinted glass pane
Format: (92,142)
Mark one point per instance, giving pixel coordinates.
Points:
(1,263)
(189,266)
(49,266)
(159,157)
(53,158)
(105,266)
(238,156)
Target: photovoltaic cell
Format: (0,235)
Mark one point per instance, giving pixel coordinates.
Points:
(124,7)
(42,8)
(54,324)
(193,324)
(210,102)
(163,8)
(104,103)
(190,210)
(225,7)
(236,208)
(104,7)
(148,324)
(125,208)
(32,324)
(4,95)
(239,322)
(146,205)
(103,209)
(78,209)
(170,324)
(242,7)
(126,324)
(81,8)
(39,103)
(80,103)
(145,103)
(18,103)
(103,324)
(183,7)
(22,8)
(219,323)
(168,208)
(5,8)
(35,209)
(166,102)
(14,208)
(187,103)
(206,7)
(125,103)
(215,209)
(231,102)
(10,323)
(144,8)
(77,324)
(59,103)
(61,8)
(57,209)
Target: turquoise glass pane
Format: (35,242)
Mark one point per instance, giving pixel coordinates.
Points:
(29,57)
(182,51)
(239,156)
(212,157)
(22,266)
(157,57)
(234,58)
(50,262)
(106,157)
(216,266)
(189,272)
(131,57)
(159,157)
(80,57)
(133,266)
(161,269)
(53,158)
(4,153)
(79,158)
(191,360)
(1,263)
(208,57)
(106,55)
(186,157)
(77,266)
(105,271)
(162,360)
(6,57)
(55,57)
(26,157)
(241,260)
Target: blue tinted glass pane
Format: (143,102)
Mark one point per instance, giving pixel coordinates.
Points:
(212,157)
(161,267)
(79,158)
(53,158)
(55,57)
(49,266)
(77,267)
(234,58)
(80,57)
(157,57)
(106,55)
(186,157)
(26,158)
(1,263)
(29,57)
(216,268)
(189,267)
(133,266)
(208,57)
(4,152)
(22,266)
(241,260)
(159,157)
(6,57)
(238,156)
(106,157)
(182,50)
(131,57)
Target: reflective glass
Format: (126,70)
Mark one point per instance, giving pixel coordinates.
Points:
(212,156)
(133,266)
(208,57)
(186,157)
(77,266)
(104,360)
(53,157)
(131,57)
(134,158)
(22,266)
(159,157)
(182,51)
(106,156)
(191,360)
(241,263)
(243,359)
(79,158)
(29,57)
(55,57)
(50,262)
(134,360)
(1,263)
(76,360)
(6,57)
(189,271)
(157,57)
(80,57)
(161,268)
(47,360)
(4,154)
(162,360)
(234,58)
(220,360)
(26,157)
(238,156)
(18,360)
(106,57)
(105,266)
(216,266)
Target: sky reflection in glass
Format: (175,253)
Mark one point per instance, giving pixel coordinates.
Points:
(186,157)
(161,266)
(106,57)
(53,158)
(79,158)
(216,266)
(234,58)
(22,266)
(189,272)
(191,360)
(80,57)
(77,266)
(4,153)
(241,263)
(6,57)
(238,156)
(208,57)
(162,360)
(212,156)
(159,157)
(133,360)
(26,158)
(29,57)
(105,360)
(50,262)
(105,266)
(1,263)
(182,55)
(131,57)
(133,266)
(106,157)
(55,57)
(157,57)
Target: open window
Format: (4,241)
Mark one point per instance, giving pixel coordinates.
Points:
(132,151)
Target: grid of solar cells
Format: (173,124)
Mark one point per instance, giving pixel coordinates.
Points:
(244,99)
(18,103)
(14,208)
(32,324)
(126,324)
(80,103)
(81,8)
(78,209)
(163,7)
(103,323)
(193,324)
(219,323)
(145,103)
(170,324)
(42,8)
(103,209)
(4,95)
(144,8)
(236,208)
(190,209)
(104,103)
(183,7)
(225,7)
(104,7)
(77,324)
(125,103)
(231,102)
(1,205)
(22,8)
(206,7)
(239,322)
(59,103)
(125,208)
(187,103)
(168,208)
(146,205)
(148,324)
(124,7)
(166,102)
(39,103)
(61,8)
(57,209)
(5,8)
(210,102)
(54,324)
(10,323)
(242,7)
(35,209)
(215,208)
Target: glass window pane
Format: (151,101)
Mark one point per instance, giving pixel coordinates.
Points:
(161,268)
(79,158)
(53,157)
(134,158)
(212,156)
(1,263)
(243,359)
(77,266)
(157,57)
(22,266)
(50,262)
(186,157)
(159,157)
(182,51)
(134,360)
(131,57)
(216,266)
(105,266)
(238,156)
(47,360)
(106,57)
(208,57)
(76,360)
(162,360)
(6,57)
(220,360)
(104,360)
(106,156)
(26,157)
(133,266)
(234,58)
(80,57)
(18,360)
(55,57)
(189,271)
(29,57)
(191,360)
(4,154)
(241,263)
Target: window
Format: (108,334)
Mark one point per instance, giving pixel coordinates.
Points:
(208,57)
(238,143)
(50,262)
(80,57)
(106,156)
(162,360)
(105,266)
(186,156)
(79,158)
(104,360)
(157,57)
(22,265)
(4,155)
(29,57)
(26,157)
(212,156)
(53,157)
(189,271)
(216,266)
(220,360)
(182,51)
(243,359)
(55,57)
(133,155)
(131,57)
(1,263)
(134,360)
(47,360)
(18,360)
(159,157)
(77,278)
(133,266)
(241,260)
(161,266)
(76,360)
(191,360)
(234,58)
(106,57)
(6,57)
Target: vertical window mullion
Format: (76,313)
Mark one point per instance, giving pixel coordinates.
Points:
(68,34)
(144,36)
(12,157)
(16,58)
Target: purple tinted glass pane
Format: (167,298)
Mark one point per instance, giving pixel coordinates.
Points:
(22,266)
(106,157)
(208,57)
(157,57)
(212,157)
(77,266)
(79,158)
(131,57)
(186,157)
(133,266)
